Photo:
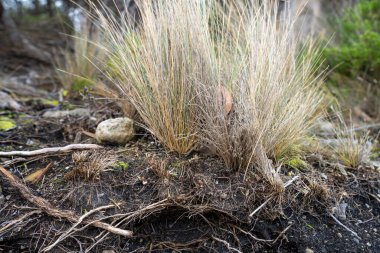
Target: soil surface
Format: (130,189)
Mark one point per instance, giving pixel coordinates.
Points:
(187,204)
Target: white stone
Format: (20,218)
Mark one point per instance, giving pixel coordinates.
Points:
(115,131)
(7,101)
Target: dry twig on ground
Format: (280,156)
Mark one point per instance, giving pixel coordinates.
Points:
(54,150)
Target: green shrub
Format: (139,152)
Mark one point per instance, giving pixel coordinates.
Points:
(357,47)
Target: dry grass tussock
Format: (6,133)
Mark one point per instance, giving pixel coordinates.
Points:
(352,148)
(186,60)
(158,65)
(89,165)
(75,66)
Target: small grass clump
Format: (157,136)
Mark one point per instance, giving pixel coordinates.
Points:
(76,68)
(352,149)
(158,65)
(275,90)
(89,165)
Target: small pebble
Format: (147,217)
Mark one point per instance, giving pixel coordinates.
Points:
(308,250)
(375,230)
(368,244)
(340,235)
(368,206)
(8,197)
(356,240)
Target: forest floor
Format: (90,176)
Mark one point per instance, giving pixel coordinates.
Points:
(177,203)
(171,203)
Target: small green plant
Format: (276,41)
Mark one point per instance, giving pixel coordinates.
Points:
(120,165)
(357,39)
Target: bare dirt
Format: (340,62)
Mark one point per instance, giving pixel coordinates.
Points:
(202,206)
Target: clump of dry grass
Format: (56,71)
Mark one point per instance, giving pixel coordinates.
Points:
(352,149)
(275,89)
(230,76)
(76,68)
(159,63)
(89,165)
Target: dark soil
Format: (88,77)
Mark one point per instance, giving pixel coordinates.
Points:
(205,207)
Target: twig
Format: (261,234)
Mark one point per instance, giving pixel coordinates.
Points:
(53,211)
(15,221)
(80,220)
(50,150)
(374,196)
(282,233)
(226,244)
(251,235)
(345,227)
(291,181)
(261,206)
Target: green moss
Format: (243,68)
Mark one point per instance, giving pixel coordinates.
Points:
(121,165)
(81,83)
(296,163)
(7,124)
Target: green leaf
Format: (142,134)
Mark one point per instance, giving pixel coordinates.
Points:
(7,124)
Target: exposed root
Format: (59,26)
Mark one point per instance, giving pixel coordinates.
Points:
(345,227)
(226,244)
(18,220)
(53,211)
(291,181)
(69,231)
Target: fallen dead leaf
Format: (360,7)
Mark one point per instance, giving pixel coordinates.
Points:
(226,98)
(37,175)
